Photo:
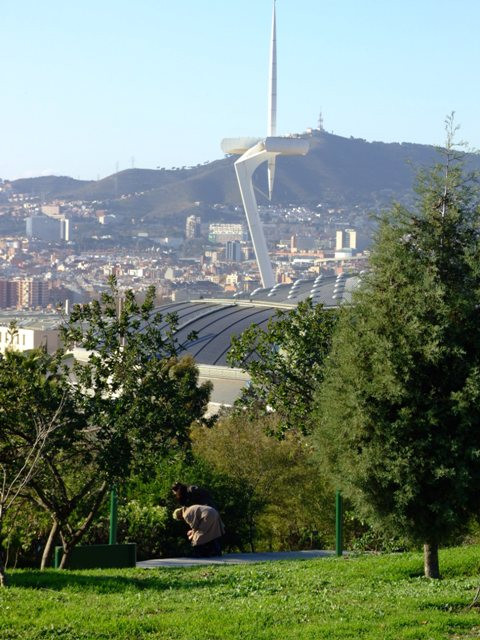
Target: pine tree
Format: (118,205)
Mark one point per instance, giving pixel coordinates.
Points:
(399,413)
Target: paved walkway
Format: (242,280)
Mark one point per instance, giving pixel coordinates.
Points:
(234,558)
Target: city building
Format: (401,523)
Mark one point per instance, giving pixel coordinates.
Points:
(301,243)
(8,294)
(30,331)
(346,239)
(223,233)
(349,242)
(233,251)
(48,228)
(52,210)
(43,228)
(192,227)
(23,293)
(65,229)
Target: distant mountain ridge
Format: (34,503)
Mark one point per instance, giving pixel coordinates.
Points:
(337,171)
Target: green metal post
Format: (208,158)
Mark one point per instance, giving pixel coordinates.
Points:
(339,523)
(113,516)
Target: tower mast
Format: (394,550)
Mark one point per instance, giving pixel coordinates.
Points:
(272,83)
(272,101)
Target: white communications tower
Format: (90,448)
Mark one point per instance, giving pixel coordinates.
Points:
(253,152)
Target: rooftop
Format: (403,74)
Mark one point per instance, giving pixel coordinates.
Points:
(215,321)
(24,319)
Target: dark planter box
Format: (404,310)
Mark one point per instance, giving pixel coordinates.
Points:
(100,556)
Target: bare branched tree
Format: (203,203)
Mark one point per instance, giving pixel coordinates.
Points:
(16,475)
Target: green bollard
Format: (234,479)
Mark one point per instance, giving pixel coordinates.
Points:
(339,524)
(113,516)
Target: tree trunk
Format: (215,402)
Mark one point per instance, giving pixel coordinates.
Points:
(251,531)
(430,560)
(3,578)
(67,552)
(48,546)
(74,537)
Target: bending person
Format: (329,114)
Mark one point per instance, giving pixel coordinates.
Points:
(206,529)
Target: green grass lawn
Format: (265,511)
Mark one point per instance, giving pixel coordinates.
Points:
(381,597)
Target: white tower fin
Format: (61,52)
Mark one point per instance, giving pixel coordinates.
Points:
(271,176)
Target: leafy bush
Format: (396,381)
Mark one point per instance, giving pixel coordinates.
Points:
(147,525)
(288,504)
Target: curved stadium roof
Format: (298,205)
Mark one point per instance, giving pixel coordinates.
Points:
(215,321)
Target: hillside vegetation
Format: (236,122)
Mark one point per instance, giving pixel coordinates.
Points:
(337,171)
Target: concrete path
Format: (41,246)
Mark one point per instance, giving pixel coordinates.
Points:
(233,558)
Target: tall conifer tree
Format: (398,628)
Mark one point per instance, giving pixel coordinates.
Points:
(399,413)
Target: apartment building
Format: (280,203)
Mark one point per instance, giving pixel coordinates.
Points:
(23,293)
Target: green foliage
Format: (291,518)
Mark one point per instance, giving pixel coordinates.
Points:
(136,393)
(26,526)
(286,362)
(30,393)
(144,523)
(287,501)
(363,598)
(36,416)
(231,497)
(128,404)
(399,413)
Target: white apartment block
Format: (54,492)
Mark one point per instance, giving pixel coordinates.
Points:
(28,338)
(32,330)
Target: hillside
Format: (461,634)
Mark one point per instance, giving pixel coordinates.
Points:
(49,186)
(337,171)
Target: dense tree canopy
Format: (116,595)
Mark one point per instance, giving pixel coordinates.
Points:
(399,413)
(122,402)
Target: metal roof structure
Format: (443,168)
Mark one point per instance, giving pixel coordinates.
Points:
(40,320)
(215,321)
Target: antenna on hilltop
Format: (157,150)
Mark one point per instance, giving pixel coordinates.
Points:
(320,122)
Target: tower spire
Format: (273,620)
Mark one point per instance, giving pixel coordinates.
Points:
(254,152)
(272,100)
(272,84)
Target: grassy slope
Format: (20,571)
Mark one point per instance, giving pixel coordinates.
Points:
(358,598)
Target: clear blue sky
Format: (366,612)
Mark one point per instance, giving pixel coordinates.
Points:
(87,85)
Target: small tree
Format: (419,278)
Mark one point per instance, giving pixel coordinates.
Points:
(136,399)
(32,409)
(286,362)
(399,414)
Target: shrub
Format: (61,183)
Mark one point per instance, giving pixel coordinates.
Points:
(288,503)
